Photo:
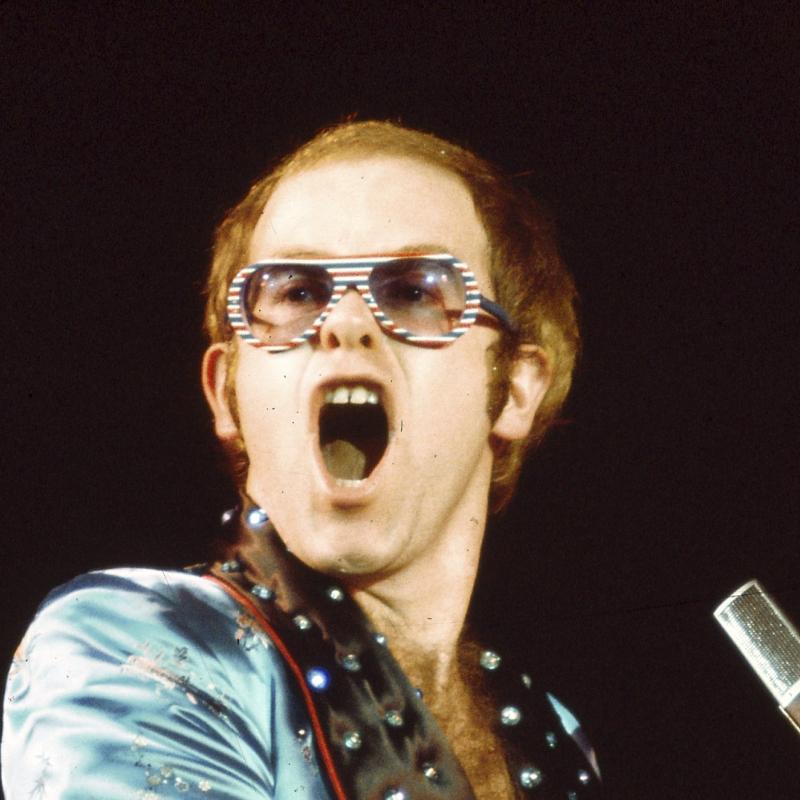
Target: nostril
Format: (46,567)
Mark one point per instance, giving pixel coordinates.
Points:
(350,323)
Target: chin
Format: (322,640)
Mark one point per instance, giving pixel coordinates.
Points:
(353,563)
(350,552)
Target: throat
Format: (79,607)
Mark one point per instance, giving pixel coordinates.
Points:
(352,439)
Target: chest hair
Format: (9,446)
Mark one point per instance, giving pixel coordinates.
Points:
(465,712)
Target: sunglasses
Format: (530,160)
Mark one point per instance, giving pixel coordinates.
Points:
(428,300)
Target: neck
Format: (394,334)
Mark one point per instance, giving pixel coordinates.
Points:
(424,642)
(422,608)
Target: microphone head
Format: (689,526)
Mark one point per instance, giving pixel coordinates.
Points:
(766,638)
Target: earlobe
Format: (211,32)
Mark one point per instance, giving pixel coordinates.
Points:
(214,378)
(528,384)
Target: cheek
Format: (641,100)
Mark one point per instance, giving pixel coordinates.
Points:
(263,377)
(266,404)
(249,396)
(456,394)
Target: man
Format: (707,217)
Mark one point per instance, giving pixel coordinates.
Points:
(391,328)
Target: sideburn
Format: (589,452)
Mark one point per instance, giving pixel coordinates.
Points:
(235,452)
(499,361)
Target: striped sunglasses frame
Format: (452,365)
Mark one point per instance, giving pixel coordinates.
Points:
(354,273)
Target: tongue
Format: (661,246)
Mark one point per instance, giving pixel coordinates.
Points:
(344,459)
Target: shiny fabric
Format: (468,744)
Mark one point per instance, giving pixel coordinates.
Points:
(146,684)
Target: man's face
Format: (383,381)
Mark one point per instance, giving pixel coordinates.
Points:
(430,483)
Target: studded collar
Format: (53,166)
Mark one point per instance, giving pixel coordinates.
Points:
(374,736)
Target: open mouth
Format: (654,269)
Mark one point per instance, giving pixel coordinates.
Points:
(353,432)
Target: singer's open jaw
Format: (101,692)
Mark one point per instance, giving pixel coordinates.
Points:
(353,431)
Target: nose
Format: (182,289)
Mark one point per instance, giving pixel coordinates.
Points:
(350,324)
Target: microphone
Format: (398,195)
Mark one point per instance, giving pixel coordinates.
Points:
(768,641)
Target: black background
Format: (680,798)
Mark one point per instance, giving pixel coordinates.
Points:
(665,142)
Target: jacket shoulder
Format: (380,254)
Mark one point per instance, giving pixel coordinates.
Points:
(142,680)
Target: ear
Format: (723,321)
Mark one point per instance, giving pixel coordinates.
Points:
(214,379)
(528,383)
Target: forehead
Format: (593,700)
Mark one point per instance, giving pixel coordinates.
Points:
(369,206)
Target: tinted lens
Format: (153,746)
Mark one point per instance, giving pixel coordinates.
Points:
(424,296)
(282,301)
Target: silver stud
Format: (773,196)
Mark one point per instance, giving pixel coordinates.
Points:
(393,718)
(301,733)
(301,622)
(335,593)
(380,639)
(394,794)
(227,516)
(490,660)
(510,716)
(350,662)
(584,777)
(551,739)
(318,679)
(526,680)
(352,740)
(530,777)
(264,592)
(430,772)
(418,692)
(256,517)
(231,566)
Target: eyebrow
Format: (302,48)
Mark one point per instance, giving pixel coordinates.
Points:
(425,248)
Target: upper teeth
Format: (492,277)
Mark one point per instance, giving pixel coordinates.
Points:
(358,395)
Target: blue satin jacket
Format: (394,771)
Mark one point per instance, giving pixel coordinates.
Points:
(136,683)
(148,684)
